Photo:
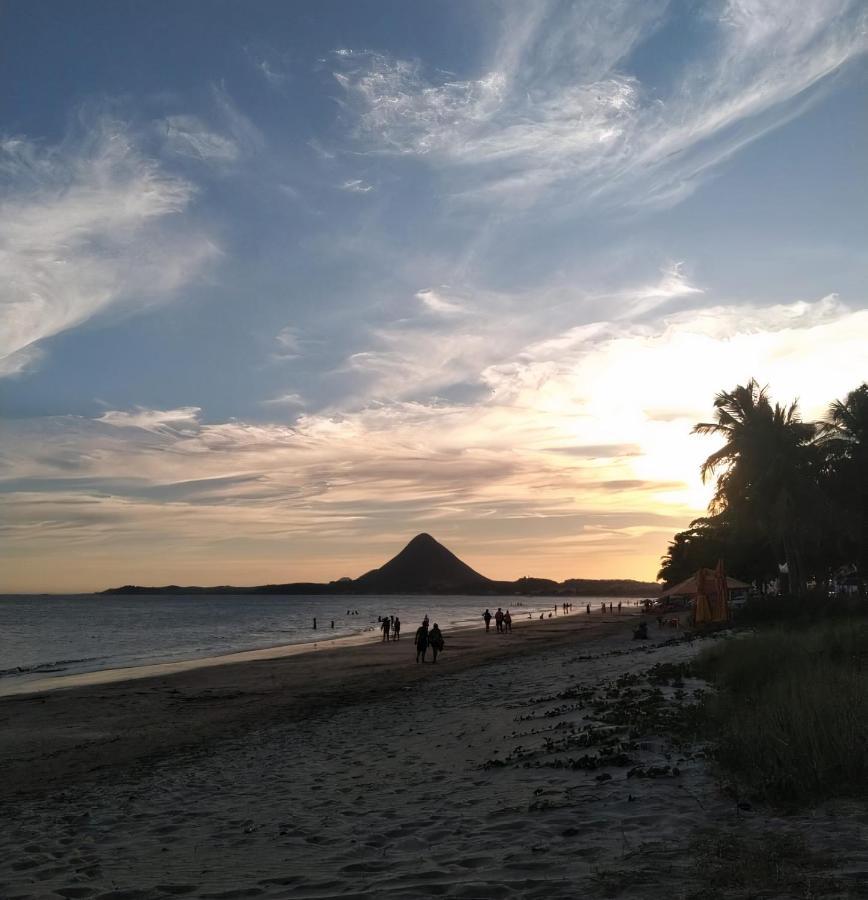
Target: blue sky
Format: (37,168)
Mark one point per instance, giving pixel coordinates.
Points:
(284,284)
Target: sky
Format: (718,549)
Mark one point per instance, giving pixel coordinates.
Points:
(282,285)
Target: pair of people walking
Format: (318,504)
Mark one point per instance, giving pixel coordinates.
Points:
(390,625)
(426,640)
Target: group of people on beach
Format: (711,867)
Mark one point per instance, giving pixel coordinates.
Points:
(603,608)
(502,620)
(426,639)
(390,626)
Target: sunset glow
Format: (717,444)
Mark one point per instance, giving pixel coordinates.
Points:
(344,287)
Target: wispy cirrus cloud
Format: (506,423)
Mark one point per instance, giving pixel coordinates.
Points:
(356,186)
(434,301)
(559,100)
(88,225)
(156,420)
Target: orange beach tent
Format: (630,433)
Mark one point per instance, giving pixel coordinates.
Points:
(711,589)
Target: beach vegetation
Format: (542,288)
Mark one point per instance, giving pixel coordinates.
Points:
(789,714)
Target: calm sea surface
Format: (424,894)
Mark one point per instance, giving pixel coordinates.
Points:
(62,635)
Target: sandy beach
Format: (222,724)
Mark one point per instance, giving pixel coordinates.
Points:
(522,765)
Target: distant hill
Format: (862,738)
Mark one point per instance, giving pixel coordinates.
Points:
(611,587)
(424,566)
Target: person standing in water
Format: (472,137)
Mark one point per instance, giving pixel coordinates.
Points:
(435,641)
(385,628)
(487,616)
(498,619)
(421,642)
(396,629)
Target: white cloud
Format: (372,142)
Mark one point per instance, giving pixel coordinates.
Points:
(673,284)
(86,226)
(435,302)
(356,186)
(291,399)
(157,420)
(20,361)
(557,103)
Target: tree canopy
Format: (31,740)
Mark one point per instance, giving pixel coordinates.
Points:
(786,491)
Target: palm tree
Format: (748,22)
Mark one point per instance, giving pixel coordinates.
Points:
(845,429)
(844,438)
(767,462)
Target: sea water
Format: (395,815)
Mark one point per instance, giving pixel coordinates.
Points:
(43,636)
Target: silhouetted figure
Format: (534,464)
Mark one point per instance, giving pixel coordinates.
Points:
(588,609)
(498,619)
(611,608)
(507,621)
(314,623)
(435,641)
(425,621)
(333,623)
(396,629)
(487,616)
(385,628)
(421,642)
(603,608)
(619,607)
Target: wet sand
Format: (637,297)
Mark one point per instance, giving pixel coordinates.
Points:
(522,765)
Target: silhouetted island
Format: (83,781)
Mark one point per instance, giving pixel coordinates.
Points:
(424,566)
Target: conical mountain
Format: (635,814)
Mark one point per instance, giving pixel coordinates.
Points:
(424,565)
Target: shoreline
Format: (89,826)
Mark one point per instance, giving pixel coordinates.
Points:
(52,738)
(262,634)
(22,685)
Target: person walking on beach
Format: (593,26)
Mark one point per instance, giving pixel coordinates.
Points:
(507,621)
(385,628)
(396,629)
(498,619)
(435,641)
(487,616)
(421,641)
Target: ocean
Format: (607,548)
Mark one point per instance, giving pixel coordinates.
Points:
(44,636)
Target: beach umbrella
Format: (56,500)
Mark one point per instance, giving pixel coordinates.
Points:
(702,610)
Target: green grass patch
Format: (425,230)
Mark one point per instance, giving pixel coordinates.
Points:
(790,714)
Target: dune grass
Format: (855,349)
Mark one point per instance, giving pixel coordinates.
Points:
(790,714)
